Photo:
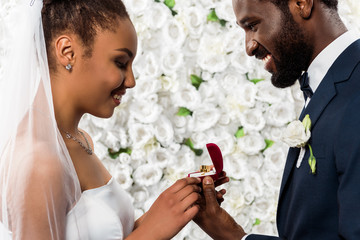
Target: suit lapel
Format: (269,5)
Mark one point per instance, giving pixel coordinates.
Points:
(340,71)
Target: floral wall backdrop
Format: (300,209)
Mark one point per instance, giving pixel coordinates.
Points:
(195,85)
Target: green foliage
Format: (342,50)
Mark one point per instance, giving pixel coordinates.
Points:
(184,112)
(214,18)
(169,3)
(196,81)
(114,154)
(240,132)
(189,143)
(269,143)
(256,80)
(257,222)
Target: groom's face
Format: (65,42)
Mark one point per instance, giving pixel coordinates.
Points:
(273,36)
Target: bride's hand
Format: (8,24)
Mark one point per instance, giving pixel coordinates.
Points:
(172,210)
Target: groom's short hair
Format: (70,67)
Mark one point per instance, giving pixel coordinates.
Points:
(283,4)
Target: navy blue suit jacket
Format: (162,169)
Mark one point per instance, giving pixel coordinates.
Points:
(326,205)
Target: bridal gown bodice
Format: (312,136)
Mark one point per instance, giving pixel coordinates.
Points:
(103,213)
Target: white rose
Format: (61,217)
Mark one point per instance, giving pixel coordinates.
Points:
(145,111)
(187,97)
(111,140)
(235,165)
(138,157)
(140,195)
(295,134)
(212,56)
(137,7)
(242,62)
(169,83)
(195,19)
(125,158)
(272,180)
(275,157)
(146,87)
(147,175)
(148,65)
(204,118)
(231,80)
(251,144)
(280,114)
(161,157)
(173,32)
(252,120)
(122,174)
(171,59)
(140,134)
(273,133)
(211,92)
(268,93)
(164,131)
(224,10)
(254,183)
(183,165)
(157,11)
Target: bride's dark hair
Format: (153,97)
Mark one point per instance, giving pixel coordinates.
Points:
(81,17)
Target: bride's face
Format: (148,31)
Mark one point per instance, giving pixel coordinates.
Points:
(102,79)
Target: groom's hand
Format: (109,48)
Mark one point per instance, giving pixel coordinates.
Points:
(214,220)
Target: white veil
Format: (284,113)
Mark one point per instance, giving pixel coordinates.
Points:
(38,182)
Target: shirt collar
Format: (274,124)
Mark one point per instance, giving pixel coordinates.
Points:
(323,61)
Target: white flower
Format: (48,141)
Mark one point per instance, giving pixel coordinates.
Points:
(161,157)
(296,134)
(137,6)
(139,194)
(187,97)
(146,87)
(173,32)
(159,12)
(164,131)
(148,65)
(275,157)
(254,183)
(169,83)
(251,144)
(195,19)
(235,165)
(145,111)
(204,118)
(140,134)
(212,56)
(171,59)
(125,158)
(147,175)
(268,93)
(122,174)
(253,120)
(280,114)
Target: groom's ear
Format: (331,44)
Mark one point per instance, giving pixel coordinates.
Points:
(65,49)
(301,8)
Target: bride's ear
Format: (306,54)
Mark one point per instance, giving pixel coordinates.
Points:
(65,50)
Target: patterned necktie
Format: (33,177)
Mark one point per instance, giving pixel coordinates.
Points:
(304,85)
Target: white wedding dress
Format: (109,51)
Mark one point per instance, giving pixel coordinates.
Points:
(103,213)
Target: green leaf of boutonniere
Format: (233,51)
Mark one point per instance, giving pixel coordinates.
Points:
(189,143)
(312,161)
(184,112)
(196,81)
(114,154)
(240,132)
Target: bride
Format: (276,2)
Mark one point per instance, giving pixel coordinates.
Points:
(64,59)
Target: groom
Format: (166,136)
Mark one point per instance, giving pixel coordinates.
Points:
(292,36)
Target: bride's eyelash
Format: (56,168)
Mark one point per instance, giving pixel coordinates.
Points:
(120,64)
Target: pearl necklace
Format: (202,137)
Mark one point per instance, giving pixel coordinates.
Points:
(87,148)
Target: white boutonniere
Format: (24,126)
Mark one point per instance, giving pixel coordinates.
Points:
(297,134)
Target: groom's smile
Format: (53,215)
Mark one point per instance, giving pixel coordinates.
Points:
(274,37)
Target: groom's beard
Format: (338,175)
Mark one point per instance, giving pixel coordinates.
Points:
(295,53)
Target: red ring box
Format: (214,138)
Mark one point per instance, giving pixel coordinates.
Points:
(216,158)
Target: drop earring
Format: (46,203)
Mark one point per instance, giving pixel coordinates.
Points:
(68,67)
